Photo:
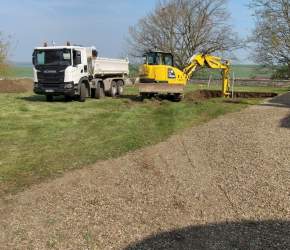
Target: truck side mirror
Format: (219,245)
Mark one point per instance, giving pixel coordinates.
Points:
(95,53)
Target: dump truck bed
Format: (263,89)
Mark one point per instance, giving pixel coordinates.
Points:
(108,66)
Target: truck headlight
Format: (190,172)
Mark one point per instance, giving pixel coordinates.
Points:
(69,85)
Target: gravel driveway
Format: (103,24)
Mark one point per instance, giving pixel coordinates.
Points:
(221,185)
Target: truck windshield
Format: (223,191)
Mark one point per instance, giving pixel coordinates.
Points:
(52,57)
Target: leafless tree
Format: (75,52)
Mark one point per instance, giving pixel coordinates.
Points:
(184,27)
(271,35)
(3,55)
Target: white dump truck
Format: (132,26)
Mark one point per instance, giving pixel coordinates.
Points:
(77,72)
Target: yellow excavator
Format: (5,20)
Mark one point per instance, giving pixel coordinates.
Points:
(159,76)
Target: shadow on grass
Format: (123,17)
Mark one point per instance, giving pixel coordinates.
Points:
(134,98)
(41,98)
(231,235)
(140,99)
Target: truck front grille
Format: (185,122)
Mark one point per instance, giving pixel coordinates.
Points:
(50,78)
(52,85)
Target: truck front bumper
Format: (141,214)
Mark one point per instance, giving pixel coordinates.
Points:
(67,89)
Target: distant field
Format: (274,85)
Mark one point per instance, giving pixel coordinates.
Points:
(241,71)
(20,70)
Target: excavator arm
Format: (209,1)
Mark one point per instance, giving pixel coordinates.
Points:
(213,62)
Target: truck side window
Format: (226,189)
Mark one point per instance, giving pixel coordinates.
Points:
(77,58)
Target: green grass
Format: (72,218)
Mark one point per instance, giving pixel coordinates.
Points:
(41,140)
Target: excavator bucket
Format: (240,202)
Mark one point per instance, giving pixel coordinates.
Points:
(160,88)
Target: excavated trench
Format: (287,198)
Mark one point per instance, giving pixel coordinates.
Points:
(208,94)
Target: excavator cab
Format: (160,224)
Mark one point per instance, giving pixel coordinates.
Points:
(158,58)
(158,67)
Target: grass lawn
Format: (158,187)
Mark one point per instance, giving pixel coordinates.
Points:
(40,140)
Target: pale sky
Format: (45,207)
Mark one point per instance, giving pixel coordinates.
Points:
(102,23)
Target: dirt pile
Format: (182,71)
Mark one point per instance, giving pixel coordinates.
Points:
(207,94)
(254,94)
(16,85)
(202,95)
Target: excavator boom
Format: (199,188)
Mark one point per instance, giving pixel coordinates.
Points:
(213,62)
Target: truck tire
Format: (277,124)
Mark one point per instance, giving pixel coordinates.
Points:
(113,89)
(99,91)
(49,98)
(120,87)
(83,93)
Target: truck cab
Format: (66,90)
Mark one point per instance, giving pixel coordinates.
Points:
(59,70)
(77,72)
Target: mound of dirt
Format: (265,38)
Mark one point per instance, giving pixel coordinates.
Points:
(207,94)
(202,94)
(254,94)
(16,85)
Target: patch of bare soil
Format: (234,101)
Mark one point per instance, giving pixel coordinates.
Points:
(207,94)
(254,94)
(221,185)
(202,95)
(16,85)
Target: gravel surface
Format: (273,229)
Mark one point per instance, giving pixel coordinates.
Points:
(221,185)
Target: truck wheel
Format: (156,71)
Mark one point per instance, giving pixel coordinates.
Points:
(99,92)
(120,87)
(49,98)
(113,89)
(83,93)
